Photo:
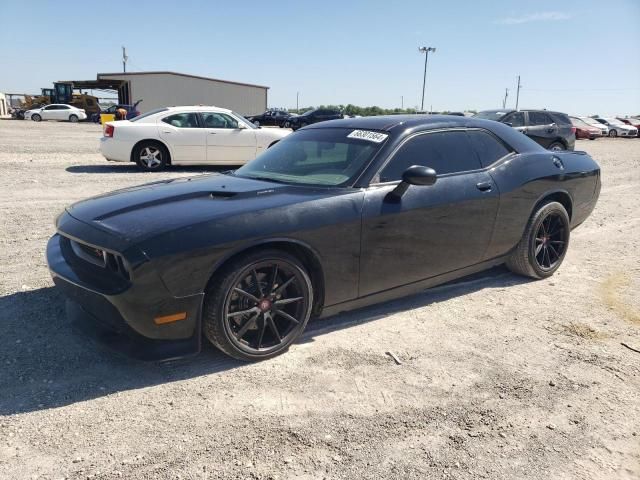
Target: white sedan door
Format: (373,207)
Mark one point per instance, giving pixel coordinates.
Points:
(229,141)
(184,136)
(49,112)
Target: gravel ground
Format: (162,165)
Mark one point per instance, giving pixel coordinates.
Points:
(501,377)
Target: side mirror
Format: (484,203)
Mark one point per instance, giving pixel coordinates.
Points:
(414,175)
(241,126)
(509,123)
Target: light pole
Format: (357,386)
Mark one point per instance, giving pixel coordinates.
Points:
(426,51)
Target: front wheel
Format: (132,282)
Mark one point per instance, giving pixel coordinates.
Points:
(36,118)
(73,118)
(151,157)
(258,305)
(256,123)
(613,133)
(557,146)
(287,124)
(544,243)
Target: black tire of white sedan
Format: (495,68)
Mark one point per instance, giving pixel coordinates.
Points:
(35,117)
(258,305)
(150,156)
(544,243)
(73,118)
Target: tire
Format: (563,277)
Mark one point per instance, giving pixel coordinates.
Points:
(151,156)
(256,123)
(73,118)
(36,118)
(592,138)
(249,325)
(557,146)
(546,237)
(287,124)
(613,133)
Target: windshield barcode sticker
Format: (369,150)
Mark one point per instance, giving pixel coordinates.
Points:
(375,137)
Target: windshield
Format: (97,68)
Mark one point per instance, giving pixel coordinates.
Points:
(324,156)
(591,121)
(491,115)
(578,123)
(245,121)
(307,113)
(614,121)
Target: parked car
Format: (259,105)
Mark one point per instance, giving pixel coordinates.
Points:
(312,116)
(618,128)
(270,117)
(132,111)
(634,122)
(56,111)
(595,123)
(18,112)
(552,130)
(333,217)
(186,136)
(584,130)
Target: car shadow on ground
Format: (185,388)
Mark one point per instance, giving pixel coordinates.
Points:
(47,362)
(133,168)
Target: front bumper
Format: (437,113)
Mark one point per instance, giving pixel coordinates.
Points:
(126,307)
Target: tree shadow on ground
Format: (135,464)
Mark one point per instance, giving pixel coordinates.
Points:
(47,362)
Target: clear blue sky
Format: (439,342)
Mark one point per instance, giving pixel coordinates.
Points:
(577,56)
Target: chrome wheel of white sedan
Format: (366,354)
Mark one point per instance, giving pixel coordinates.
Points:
(151,157)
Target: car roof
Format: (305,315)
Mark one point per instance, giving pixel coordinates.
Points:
(197,108)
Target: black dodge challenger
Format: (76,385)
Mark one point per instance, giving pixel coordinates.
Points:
(338,215)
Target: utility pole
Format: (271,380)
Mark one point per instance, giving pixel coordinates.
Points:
(426,51)
(124,60)
(402,102)
(297,102)
(518,92)
(506,94)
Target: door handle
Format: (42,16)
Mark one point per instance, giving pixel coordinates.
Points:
(484,186)
(212,133)
(167,131)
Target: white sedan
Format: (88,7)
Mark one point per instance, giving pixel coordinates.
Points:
(56,111)
(186,136)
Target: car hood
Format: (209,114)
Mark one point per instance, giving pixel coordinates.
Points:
(139,213)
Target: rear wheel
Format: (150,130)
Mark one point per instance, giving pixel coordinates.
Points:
(36,118)
(151,156)
(73,118)
(557,146)
(544,243)
(258,305)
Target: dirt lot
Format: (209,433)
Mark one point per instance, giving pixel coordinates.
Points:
(501,377)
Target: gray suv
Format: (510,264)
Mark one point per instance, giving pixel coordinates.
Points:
(552,130)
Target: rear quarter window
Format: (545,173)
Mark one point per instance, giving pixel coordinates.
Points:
(488,148)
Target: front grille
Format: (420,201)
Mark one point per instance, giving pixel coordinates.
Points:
(100,258)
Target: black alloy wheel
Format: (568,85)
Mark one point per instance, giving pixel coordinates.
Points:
(544,242)
(260,307)
(550,241)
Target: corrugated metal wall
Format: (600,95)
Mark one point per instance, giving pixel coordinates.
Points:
(167,90)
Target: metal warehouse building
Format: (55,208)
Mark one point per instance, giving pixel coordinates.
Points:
(166,89)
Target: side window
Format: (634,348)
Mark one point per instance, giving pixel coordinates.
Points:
(64,107)
(218,120)
(182,120)
(50,107)
(445,152)
(539,118)
(488,147)
(516,119)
